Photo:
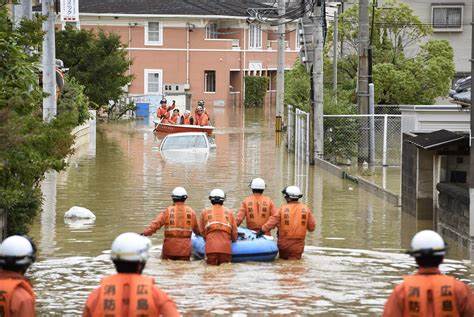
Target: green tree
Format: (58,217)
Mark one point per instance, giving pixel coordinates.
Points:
(298,87)
(255,91)
(29,147)
(98,61)
(398,78)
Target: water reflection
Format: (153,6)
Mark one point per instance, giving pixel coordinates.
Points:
(351,261)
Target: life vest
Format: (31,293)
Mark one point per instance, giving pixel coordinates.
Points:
(7,287)
(201,119)
(257,211)
(421,289)
(161,112)
(293,221)
(178,222)
(186,120)
(111,296)
(218,219)
(174,119)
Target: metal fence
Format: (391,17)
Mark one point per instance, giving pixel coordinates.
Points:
(343,133)
(298,133)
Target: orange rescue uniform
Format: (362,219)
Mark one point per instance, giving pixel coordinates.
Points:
(164,111)
(429,293)
(186,120)
(293,221)
(219,230)
(256,209)
(174,119)
(201,119)
(17,298)
(179,221)
(129,295)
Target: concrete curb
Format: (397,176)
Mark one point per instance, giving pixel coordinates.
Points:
(363,183)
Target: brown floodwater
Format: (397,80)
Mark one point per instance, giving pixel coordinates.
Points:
(351,262)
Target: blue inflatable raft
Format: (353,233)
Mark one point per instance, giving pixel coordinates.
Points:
(246,248)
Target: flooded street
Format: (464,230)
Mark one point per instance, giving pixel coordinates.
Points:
(351,262)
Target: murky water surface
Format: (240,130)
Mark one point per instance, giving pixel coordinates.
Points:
(351,262)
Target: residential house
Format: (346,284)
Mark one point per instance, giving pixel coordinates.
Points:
(198,49)
(451,21)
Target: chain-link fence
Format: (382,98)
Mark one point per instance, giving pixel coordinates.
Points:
(348,137)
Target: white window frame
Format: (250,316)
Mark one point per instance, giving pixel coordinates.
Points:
(447,6)
(208,31)
(205,81)
(156,43)
(253,43)
(153,71)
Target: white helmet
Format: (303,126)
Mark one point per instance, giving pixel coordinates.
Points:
(187,112)
(257,183)
(292,192)
(132,247)
(179,193)
(17,250)
(427,242)
(217,196)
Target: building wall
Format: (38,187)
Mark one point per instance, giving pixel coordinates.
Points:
(204,54)
(460,41)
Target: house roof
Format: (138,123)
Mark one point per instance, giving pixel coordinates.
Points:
(436,139)
(237,8)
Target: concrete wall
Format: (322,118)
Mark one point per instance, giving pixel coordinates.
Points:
(409,176)
(453,212)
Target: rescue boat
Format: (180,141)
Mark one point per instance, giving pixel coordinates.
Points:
(247,248)
(176,128)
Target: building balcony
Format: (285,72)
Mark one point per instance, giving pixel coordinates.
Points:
(224,44)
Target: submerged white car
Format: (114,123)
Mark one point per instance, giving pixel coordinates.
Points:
(186,147)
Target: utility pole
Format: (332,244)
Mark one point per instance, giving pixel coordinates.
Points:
(281,67)
(318,81)
(363,78)
(471,169)
(49,60)
(334,47)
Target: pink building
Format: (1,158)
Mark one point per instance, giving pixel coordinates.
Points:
(200,49)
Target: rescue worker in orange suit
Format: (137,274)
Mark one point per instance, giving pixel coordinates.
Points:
(163,111)
(293,220)
(179,221)
(129,293)
(175,117)
(17,298)
(428,292)
(200,116)
(186,118)
(256,209)
(219,229)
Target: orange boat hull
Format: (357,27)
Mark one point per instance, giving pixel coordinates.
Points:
(176,128)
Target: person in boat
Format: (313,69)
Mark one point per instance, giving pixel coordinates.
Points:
(256,209)
(175,117)
(219,229)
(17,298)
(294,219)
(164,110)
(129,293)
(201,117)
(186,118)
(179,221)
(429,292)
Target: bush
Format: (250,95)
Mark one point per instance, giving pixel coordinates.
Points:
(298,87)
(255,91)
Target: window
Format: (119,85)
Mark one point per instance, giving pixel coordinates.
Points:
(210,81)
(184,142)
(211,31)
(154,33)
(153,81)
(447,18)
(255,36)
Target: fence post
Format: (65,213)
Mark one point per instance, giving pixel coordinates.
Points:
(385,141)
(371,124)
(307,137)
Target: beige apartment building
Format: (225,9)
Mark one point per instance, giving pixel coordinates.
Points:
(197,49)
